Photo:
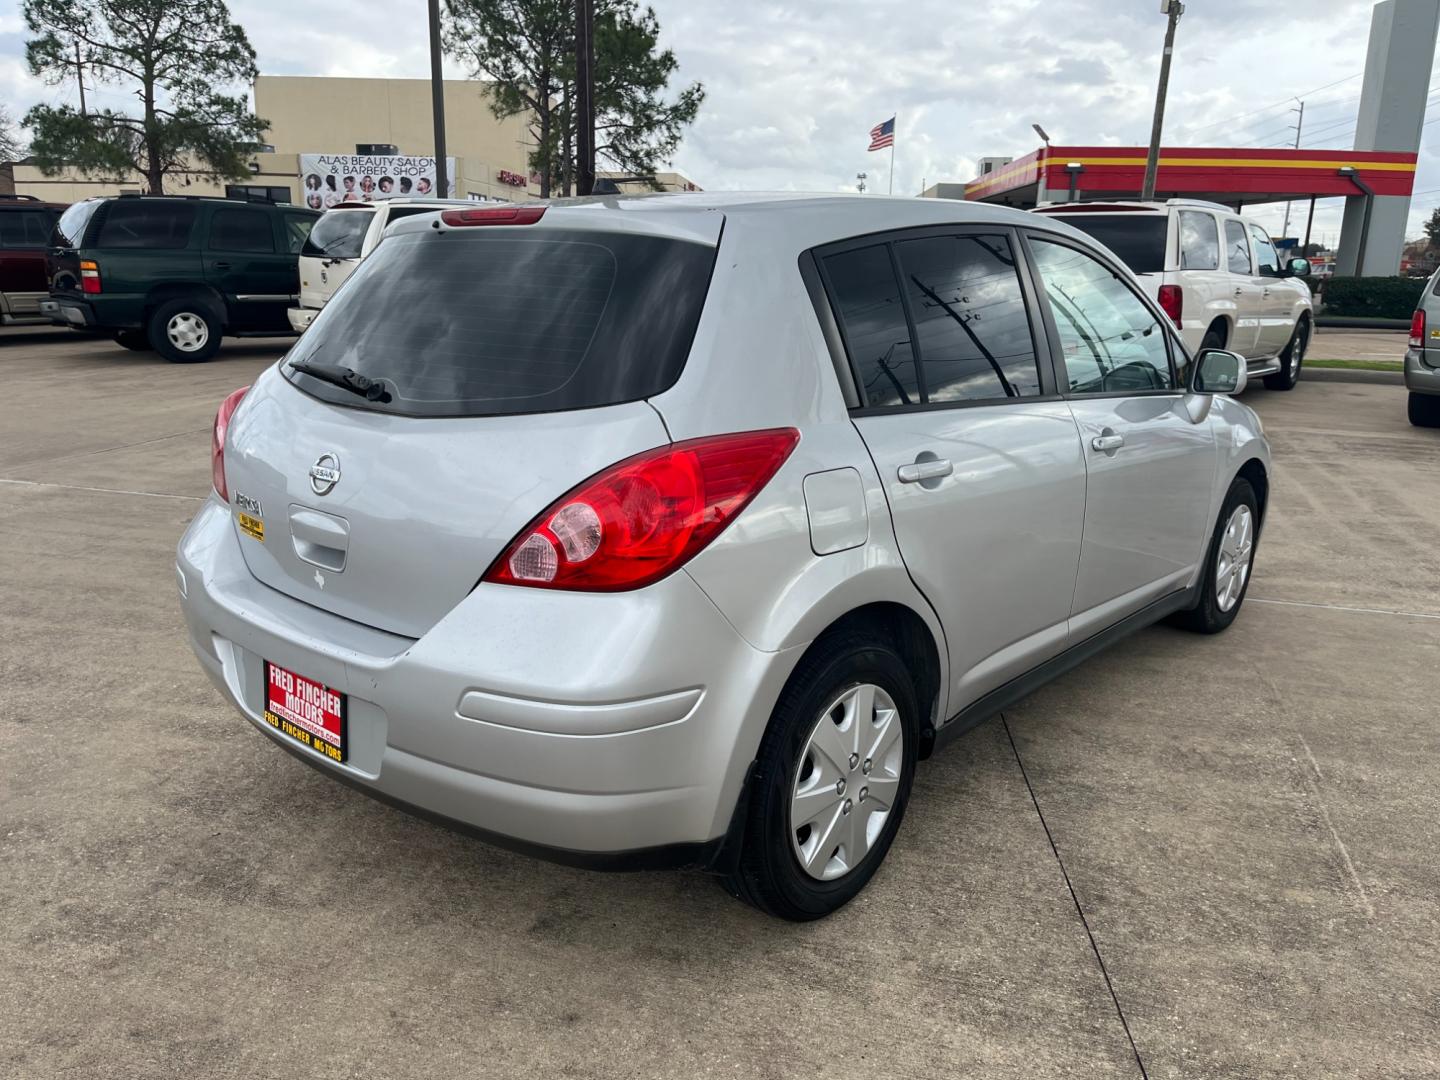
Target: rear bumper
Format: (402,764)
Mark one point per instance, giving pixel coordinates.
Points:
(66,312)
(22,307)
(1420,377)
(603,730)
(301,318)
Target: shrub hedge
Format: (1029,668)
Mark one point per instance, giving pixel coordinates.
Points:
(1375,297)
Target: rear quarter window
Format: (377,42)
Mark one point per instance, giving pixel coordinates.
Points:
(70,229)
(141,223)
(1138,239)
(1199,241)
(486,322)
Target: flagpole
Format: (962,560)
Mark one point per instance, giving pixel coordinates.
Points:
(892,157)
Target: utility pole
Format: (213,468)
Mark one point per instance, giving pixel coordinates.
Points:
(1174,9)
(584,97)
(1299,126)
(860,179)
(437,98)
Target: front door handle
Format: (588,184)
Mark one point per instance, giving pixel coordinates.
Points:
(921,471)
(1108,443)
(222,266)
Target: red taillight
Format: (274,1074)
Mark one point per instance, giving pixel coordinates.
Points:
(1172,302)
(89,276)
(642,518)
(499,215)
(217,440)
(1417,329)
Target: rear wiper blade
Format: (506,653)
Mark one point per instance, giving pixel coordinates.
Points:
(345,378)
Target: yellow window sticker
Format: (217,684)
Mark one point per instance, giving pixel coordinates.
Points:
(253,527)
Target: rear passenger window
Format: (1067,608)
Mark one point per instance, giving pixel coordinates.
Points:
(142,223)
(872,315)
(1199,241)
(971,325)
(241,230)
(1237,248)
(297,229)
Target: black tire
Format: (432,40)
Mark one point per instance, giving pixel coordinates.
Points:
(1213,339)
(768,872)
(1291,359)
(198,313)
(1424,410)
(1208,616)
(134,340)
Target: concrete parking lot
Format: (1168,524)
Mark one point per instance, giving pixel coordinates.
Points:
(1191,857)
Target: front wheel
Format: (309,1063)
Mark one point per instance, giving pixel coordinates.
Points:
(1228,560)
(1291,359)
(832,780)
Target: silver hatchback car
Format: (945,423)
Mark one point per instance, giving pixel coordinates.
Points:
(674,530)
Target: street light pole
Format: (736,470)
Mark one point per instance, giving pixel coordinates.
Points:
(584,97)
(437,97)
(1174,9)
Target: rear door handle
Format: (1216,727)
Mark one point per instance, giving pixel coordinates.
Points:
(1239,292)
(222,266)
(925,470)
(1107,443)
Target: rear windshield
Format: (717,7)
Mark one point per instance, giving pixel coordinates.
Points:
(1139,239)
(338,234)
(482,322)
(70,229)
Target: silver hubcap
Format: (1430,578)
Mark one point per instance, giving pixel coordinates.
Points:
(1232,565)
(846,782)
(187,332)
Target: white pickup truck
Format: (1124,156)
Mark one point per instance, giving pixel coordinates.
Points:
(1215,274)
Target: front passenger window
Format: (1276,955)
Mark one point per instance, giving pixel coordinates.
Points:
(1111,341)
(1265,252)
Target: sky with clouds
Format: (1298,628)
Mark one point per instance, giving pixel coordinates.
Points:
(793,88)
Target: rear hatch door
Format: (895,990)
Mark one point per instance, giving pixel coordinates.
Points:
(516,360)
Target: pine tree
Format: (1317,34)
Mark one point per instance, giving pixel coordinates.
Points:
(175,56)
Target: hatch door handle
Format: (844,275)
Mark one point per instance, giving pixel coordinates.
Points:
(920,471)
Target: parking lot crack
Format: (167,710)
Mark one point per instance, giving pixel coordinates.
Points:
(1075,899)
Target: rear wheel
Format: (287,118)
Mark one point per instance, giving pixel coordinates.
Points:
(1424,410)
(1291,359)
(1213,339)
(1231,554)
(134,340)
(185,331)
(832,780)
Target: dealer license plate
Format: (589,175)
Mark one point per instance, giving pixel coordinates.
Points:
(307,711)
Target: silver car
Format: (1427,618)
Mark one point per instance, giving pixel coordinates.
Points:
(1422,358)
(675,530)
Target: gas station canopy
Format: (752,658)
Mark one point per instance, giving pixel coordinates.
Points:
(1226,175)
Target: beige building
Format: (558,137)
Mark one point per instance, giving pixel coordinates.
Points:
(317,115)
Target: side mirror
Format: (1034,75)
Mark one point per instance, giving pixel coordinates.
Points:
(1299,267)
(1218,371)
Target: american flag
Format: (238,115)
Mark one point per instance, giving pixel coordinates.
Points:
(883,135)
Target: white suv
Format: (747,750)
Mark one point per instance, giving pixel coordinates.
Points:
(1216,275)
(344,235)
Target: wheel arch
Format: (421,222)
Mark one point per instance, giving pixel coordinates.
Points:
(1220,323)
(177,290)
(903,627)
(1253,470)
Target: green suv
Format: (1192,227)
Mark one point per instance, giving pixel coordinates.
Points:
(176,273)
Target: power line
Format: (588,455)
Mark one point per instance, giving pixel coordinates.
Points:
(1268,108)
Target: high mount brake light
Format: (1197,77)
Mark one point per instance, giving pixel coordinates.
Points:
(217,440)
(1172,302)
(643,517)
(1417,329)
(500,215)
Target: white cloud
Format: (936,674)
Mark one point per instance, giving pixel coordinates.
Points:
(794,88)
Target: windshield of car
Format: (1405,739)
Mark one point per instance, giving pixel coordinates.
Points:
(70,229)
(488,322)
(338,234)
(1139,239)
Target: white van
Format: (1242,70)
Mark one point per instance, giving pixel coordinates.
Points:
(344,235)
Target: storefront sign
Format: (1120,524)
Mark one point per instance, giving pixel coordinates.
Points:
(327,179)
